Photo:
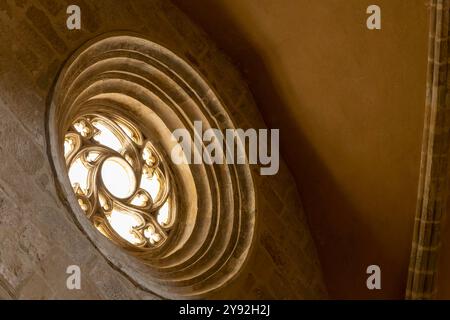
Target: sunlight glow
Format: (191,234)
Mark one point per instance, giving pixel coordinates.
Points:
(148,157)
(118,177)
(68,146)
(78,175)
(92,156)
(103,202)
(141,200)
(106,137)
(151,234)
(151,185)
(120,180)
(82,128)
(123,222)
(163,214)
(127,131)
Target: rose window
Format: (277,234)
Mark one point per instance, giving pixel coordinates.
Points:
(120,180)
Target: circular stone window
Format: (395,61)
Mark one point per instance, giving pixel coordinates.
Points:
(120,180)
(176,229)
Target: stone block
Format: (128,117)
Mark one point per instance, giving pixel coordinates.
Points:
(54,270)
(17,144)
(15,265)
(33,243)
(111,284)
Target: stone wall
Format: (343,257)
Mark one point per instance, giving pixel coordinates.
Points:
(38,237)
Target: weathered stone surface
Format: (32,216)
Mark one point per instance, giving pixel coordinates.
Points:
(44,25)
(15,265)
(54,272)
(111,284)
(4,294)
(36,288)
(33,243)
(10,215)
(17,143)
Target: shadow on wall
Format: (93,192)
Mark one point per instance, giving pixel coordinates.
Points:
(344,273)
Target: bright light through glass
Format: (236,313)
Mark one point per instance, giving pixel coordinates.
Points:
(163,214)
(68,146)
(92,156)
(127,131)
(106,137)
(118,177)
(123,223)
(151,234)
(141,200)
(122,187)
(82,128)
(151,185)
(78,175)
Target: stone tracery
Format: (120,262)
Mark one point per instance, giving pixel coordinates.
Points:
(120,181)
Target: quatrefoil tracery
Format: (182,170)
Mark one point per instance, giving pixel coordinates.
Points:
(120,180)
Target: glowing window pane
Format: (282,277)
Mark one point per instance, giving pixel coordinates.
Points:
(107,182)
(118,177)
(68,146)
(92,156)
(163,214)
(123,222)
(151,185)
(141,200)
(103,202)
(82,128)
(127,131)
(152,235)
(148,157)
(78,175)
(106,137)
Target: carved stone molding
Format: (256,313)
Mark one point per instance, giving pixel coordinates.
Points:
(137,79)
